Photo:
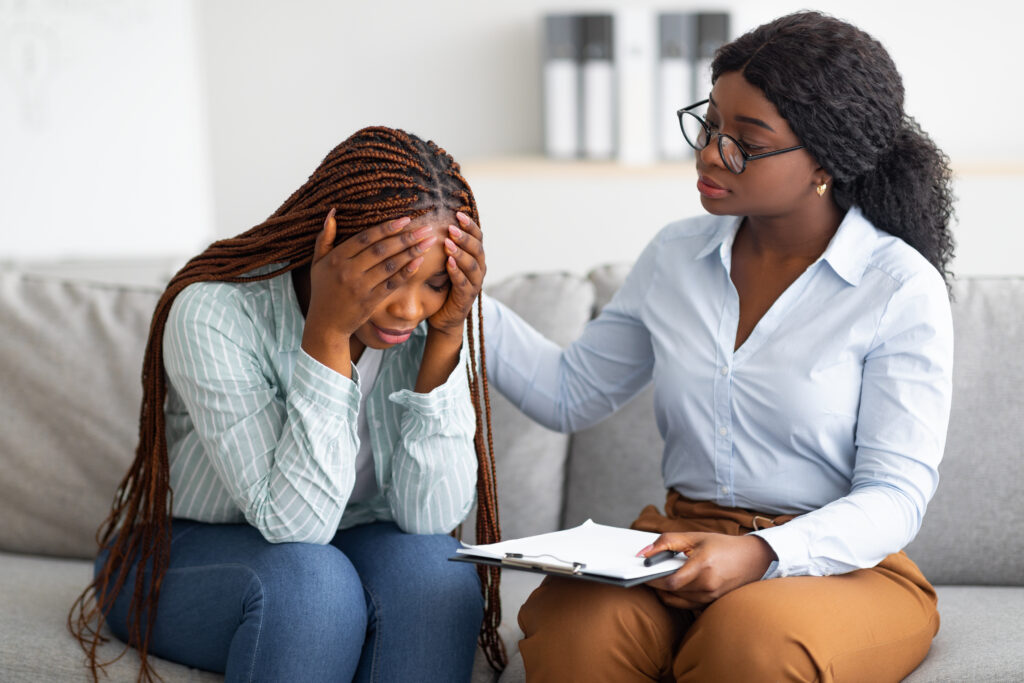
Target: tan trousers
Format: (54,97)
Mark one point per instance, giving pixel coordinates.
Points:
(870,625)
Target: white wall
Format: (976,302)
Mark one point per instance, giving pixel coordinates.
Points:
(573,220)
(103,148)
(280,83)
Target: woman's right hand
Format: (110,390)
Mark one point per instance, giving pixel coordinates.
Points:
(349,281)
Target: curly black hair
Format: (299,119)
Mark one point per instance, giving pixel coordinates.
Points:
(840,92)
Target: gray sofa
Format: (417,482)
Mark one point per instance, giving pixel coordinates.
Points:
(69,363)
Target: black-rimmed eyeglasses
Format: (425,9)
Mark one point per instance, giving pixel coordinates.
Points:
(699,135)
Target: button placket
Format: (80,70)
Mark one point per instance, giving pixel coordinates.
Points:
(722,381)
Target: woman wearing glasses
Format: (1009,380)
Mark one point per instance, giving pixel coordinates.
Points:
(800,342)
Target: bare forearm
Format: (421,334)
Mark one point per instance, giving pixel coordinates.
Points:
(329,348)
(440,357)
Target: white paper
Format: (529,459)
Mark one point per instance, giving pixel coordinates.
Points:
(604,550)
(636,39)
(676,89)
(561,108)
(598,109)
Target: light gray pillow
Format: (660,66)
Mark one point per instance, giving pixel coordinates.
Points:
(530,459)
(973,531)
(614,467)
(71,361)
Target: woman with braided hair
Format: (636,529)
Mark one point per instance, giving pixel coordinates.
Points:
(312,402)
(800,344)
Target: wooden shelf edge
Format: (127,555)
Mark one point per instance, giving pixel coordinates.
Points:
(535,165)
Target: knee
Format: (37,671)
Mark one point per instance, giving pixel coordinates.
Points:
(461,583)
(303,582)
(456,577)
(741,636)
(435,584)
(593,613)
(577,630)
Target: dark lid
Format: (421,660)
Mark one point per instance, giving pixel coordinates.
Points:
(712,33)
(677,34)
(563,36)
(597,36)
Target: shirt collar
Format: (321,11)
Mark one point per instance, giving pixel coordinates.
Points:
(847,253)
(851,247)
(724,233)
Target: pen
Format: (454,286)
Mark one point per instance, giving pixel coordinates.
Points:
(660,556)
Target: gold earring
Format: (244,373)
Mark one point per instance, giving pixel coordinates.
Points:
(821,189)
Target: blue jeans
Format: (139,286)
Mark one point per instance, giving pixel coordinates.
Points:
(376,604)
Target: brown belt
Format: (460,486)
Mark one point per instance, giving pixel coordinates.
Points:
(683,514)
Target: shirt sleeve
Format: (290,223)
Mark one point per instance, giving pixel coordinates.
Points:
(571,389)
(900,437)
(288,465)
(434,465)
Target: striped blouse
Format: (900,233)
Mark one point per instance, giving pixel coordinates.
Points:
(260,432)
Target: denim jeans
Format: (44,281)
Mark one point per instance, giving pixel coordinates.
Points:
(376,604)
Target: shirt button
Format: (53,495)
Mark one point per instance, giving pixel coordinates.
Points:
(725,370)
(725,490)
(723,431)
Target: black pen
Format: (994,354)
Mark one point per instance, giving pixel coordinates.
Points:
(659,556)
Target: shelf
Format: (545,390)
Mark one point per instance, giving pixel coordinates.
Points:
(989,168)
(543,167)
(528,166)
(548,215)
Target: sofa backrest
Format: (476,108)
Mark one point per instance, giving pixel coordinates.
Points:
(973,532)
(70,362)
(72,349)
(70,359)
(529,458)
(614,467)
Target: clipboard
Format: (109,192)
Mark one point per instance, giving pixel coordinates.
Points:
(552,570)
(592,552)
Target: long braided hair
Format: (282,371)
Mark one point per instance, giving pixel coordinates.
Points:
(376,175)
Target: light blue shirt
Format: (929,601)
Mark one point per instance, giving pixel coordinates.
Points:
(260,432)
(835,407)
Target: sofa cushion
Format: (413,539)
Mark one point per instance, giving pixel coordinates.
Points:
(973,532)
(977,625)
(530,459)
(979,636)
(71,360)
(36,645)
(614,467)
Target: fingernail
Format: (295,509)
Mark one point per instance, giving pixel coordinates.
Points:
(462,217)
(330,214)
(420,233)
(400,223)
(414,264)
(451,262)
(644,550)
(450,246)
(425,244)
(455,232)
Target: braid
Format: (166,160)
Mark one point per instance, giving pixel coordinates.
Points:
(376,175)
(487,507)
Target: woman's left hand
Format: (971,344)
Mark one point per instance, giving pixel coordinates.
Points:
(715,565)
(466,268)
